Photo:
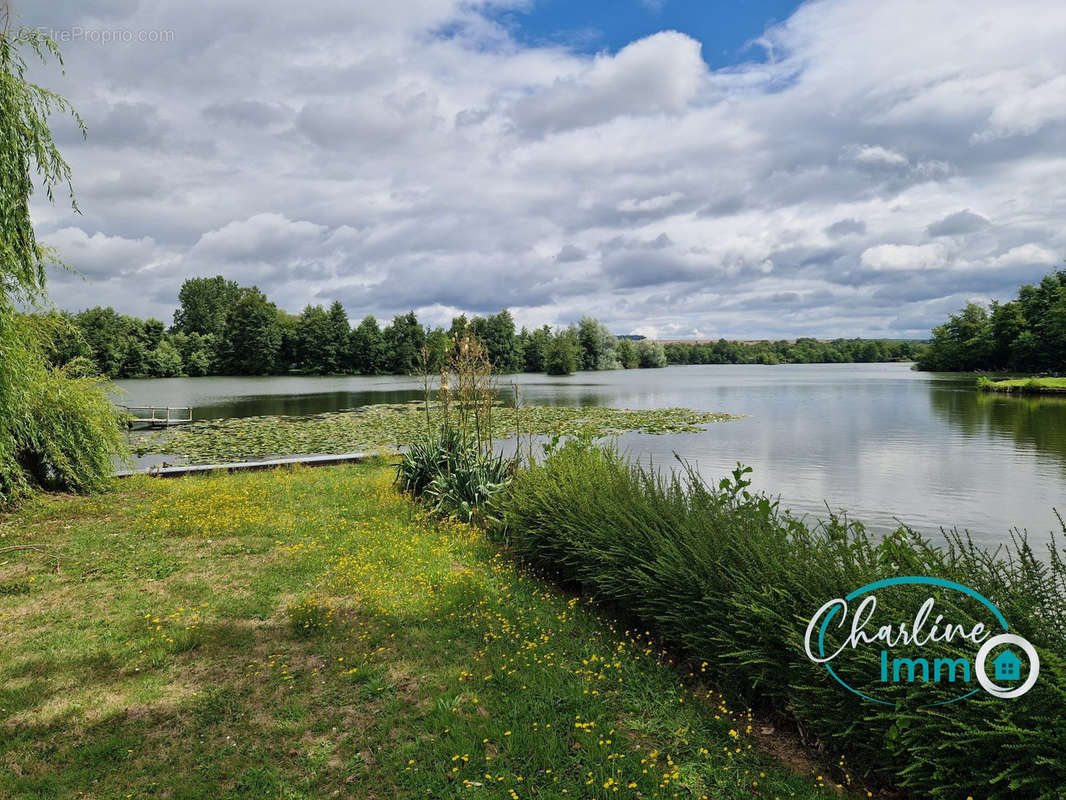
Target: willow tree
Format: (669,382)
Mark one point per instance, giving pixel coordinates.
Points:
(57,427)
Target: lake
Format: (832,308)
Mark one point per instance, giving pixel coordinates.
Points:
(882,441)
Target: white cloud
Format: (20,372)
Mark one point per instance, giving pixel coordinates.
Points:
(261,237)
(875,155)
(1027,254)
(904,257)
(102,255)
(659,74)
(416,156)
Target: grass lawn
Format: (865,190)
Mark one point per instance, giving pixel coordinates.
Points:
(310,633)
(1031,384)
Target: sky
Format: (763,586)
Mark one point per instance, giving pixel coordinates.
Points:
(676,169)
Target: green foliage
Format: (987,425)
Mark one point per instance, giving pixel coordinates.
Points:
(58,429)
(801,351)
(316,351)
(26,146)
(1025,335)
(221,328)
(627,354)
(455,478)
(252,336)
(338,329)
(562,355)
(197,351)
(121,346)
(721,574)
(534,348)
(164,361)
(497,333)
(203,304)
(403,340)
(963,343)
(71,433)
(366,348)
(650,354)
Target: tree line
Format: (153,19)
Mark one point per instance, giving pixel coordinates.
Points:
(221,328)
(1027,334)
(800,351)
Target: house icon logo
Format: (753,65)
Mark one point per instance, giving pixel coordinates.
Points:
(1008,666)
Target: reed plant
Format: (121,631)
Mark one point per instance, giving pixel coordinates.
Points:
(725,577)
(452,466)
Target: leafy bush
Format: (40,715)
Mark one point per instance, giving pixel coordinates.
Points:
(58,430)
(725,576)
(455,478)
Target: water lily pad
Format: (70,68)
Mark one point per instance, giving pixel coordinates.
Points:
(394,424)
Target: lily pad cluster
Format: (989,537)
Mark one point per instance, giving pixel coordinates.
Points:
(393,425)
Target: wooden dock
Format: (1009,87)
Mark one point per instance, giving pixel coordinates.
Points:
(158,416)
(181,470)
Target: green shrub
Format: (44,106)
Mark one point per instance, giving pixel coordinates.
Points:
(454,477)
(725,576)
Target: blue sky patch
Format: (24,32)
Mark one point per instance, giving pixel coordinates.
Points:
(725,28)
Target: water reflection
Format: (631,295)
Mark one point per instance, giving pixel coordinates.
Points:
(1031,422)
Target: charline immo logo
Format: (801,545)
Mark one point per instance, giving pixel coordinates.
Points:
(920,640)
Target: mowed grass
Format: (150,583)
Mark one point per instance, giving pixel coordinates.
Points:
(311,633)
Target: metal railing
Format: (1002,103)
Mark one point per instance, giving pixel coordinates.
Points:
(159,415)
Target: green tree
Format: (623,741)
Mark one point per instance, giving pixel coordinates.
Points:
(534,348)
(963,343)
(197,352)
(338,329)
(403,341)
(590,338)
(106,334)
(627,354)
(458,329)
(562,356)
(164,361)
(315,353)
(203,304)
(58,427)
(1008,323)
(498,335)
(251,338)
(366,348)
(651,354)
(66,344)
(288,351)
(439,345)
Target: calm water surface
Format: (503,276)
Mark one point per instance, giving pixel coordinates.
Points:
(880,440)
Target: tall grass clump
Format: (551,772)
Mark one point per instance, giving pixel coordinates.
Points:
(452,466)
(723,575)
